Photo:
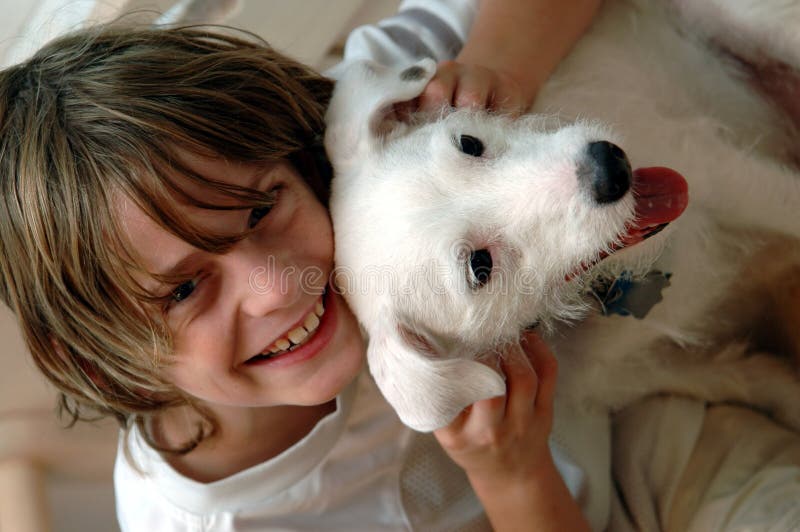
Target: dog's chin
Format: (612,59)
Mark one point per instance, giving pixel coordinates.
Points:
(661,195)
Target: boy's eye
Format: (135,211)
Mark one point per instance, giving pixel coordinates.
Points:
(184,290)
(259,212)
(256,215)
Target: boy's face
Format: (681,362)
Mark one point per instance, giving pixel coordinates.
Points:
(263,293)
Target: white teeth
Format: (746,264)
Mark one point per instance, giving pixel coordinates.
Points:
(311,322)
(297,335)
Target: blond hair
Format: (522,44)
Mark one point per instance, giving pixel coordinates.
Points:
(103,111)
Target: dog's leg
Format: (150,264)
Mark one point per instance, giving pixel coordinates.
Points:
(758,380)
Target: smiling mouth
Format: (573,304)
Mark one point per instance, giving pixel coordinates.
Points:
(297,336)
(661,196)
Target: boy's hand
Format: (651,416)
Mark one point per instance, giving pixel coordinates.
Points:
(502,445)
(504,440)
(466,85)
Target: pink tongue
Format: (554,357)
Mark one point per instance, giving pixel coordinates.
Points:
(661,195)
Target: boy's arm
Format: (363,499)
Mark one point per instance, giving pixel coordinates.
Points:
(512,48)
(526,39)
(543,504)
(502,445)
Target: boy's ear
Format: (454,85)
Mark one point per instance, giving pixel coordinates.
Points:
(426,389)
(363,103)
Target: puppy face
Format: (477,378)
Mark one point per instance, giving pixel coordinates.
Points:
(454,223)
(456,231)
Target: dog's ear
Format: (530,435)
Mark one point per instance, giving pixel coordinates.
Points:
(363,103)
(426,389)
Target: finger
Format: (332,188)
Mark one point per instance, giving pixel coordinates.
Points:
(450,435)
(508,100)
(440,89)
(546,367)
(457,425)
(522,384)
(477,419)
(485,416)
(473,89)
(508,95)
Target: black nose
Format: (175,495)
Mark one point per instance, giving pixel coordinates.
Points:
(608,172)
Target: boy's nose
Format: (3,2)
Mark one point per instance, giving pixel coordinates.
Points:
(262,282)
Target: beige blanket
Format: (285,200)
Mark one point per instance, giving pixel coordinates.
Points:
(680,465)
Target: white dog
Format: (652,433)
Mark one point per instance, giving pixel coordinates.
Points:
(456,232)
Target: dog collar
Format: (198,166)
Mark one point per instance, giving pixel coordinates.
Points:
(627,296)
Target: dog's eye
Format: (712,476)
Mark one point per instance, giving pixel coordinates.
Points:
(470,145)
(480,263)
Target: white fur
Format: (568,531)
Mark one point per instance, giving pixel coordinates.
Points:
(408,206)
